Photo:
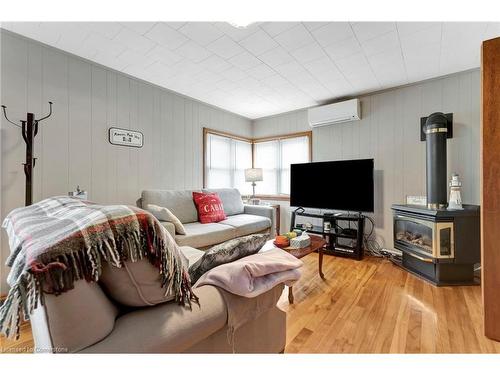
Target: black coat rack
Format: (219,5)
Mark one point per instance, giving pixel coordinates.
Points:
(29,130)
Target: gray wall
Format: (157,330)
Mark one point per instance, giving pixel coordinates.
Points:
(389,133)
(72,146)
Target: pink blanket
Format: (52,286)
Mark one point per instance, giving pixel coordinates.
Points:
(255,274)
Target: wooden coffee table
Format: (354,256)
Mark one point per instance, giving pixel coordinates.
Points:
(317,244)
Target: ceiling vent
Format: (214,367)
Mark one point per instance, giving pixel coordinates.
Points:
(336,113)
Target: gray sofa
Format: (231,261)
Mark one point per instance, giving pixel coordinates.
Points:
(86,320)
(241,219)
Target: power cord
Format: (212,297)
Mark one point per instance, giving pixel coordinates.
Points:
(373,248)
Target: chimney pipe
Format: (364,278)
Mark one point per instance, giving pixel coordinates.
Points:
(436,131)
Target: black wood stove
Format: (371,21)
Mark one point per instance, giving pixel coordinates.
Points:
(438,244)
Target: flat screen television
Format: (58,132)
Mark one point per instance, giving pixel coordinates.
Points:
(345,185)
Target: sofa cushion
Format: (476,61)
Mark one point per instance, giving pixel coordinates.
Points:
(180,202)
(246,224)
(200,235)
(227,252)
(231,200)
(209,206)
(164,214)
(166,328)
(75,319)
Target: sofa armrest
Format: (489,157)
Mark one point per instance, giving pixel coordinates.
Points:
(264,211)
(170,227)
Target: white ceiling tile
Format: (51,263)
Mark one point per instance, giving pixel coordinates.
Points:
(164,55)
(234,74)
(276,56)
(225,47)
(244,61)
(261,72)
(455,34)
(294,38)
(215,64)
(102,44)
(381,43)
(343,49)
(332,32)
(368,30)
(106,29)
(314,25)
(226,85)
(352,63)
(193,51)
(275,28)
(406,28)
(275,81)
(139,27)
(309,52)
(258,43)
(175,25)
(134,41)
(207,77)
(166,36)
(236,33)
(430,35)
(201,32)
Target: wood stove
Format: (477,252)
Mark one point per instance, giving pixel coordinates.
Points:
(440,245)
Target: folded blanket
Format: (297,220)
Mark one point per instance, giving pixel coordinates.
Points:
(62,239)
(255,274)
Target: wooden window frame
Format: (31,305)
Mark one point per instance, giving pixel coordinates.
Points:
(253,141)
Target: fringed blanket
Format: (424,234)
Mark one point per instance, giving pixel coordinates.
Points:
(60,240)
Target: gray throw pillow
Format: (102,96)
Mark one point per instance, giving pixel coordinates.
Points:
(226,252)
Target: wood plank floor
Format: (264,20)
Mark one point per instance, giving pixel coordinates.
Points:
(369,306)
(373,306)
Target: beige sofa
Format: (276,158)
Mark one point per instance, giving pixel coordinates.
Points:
(241,219)
(86,320)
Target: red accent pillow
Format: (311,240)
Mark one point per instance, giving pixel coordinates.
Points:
(209,206)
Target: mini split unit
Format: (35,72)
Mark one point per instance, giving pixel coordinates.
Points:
(349,110)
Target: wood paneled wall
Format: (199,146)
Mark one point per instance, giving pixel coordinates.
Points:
(389,133)
(72,146)
(490,186)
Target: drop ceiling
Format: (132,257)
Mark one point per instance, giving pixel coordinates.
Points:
(271,67)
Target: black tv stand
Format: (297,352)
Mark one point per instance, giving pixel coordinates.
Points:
(342,239)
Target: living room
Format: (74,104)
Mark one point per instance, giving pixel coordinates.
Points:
(151,169)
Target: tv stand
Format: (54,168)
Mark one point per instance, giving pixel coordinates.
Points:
(342,239)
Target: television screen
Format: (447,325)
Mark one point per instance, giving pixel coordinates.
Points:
(345,185)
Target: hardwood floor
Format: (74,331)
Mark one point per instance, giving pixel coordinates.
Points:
(373,306)
(370,306)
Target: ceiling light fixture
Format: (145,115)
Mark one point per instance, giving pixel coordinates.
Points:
(240,24)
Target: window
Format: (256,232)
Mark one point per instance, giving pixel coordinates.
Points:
(275,156)
(226,158)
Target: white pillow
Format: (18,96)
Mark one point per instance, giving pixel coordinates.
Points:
(164,214)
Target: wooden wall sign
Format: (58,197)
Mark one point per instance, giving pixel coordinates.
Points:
(125,137)
(490,186)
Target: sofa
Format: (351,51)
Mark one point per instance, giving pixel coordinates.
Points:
(241,219)
(86,320)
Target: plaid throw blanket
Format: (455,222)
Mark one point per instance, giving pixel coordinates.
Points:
(61,240)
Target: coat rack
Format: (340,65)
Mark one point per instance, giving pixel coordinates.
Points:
(29,130)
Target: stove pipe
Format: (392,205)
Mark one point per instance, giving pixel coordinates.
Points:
(436,131)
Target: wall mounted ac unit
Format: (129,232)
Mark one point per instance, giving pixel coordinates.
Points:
(349,110)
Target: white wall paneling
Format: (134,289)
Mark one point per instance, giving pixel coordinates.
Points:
(72,147)
(389,133)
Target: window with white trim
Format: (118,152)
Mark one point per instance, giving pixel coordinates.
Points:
(226,159)
(275,156)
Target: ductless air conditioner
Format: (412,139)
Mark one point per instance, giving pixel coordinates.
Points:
(350,110)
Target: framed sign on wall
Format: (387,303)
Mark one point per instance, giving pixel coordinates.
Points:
(125,137)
